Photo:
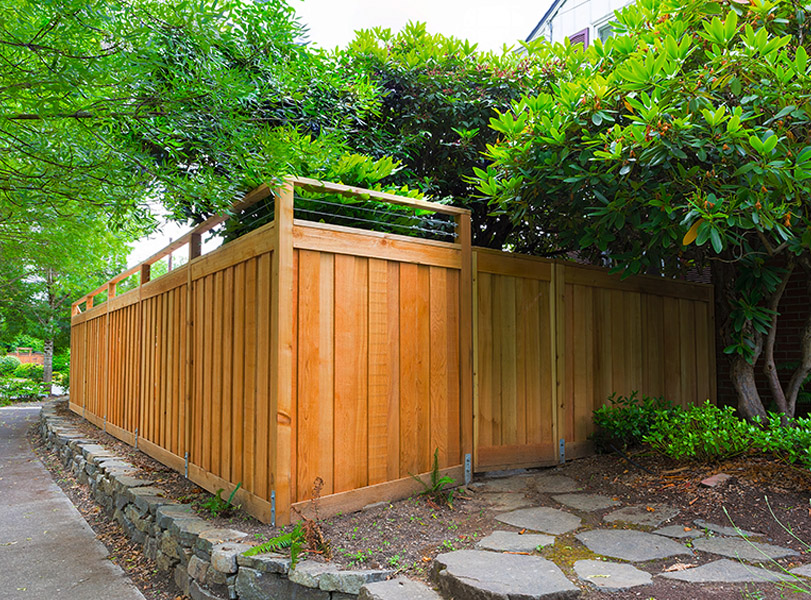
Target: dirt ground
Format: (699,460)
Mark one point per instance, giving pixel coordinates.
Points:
(763,496)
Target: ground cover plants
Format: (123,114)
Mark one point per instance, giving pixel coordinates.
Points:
(699,433)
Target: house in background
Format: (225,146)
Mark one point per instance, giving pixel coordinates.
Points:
(582,21)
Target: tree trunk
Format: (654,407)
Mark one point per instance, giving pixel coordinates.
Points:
(741,371)
(743,378)
(48,352)
(769,366)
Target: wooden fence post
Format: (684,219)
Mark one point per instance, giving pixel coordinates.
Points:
(464,239)
(281,397)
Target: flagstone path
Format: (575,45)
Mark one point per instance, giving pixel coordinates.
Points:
(504,566)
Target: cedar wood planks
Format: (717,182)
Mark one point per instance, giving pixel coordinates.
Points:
(375,355)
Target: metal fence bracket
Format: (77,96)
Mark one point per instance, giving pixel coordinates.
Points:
(562,450)
(273,508)
(187,464)
(136,438)
(468,468)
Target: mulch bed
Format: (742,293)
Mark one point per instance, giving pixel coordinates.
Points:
(406,535)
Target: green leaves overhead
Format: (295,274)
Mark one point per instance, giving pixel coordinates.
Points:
(680,141)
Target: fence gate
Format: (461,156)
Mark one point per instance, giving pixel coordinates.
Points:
(553,340)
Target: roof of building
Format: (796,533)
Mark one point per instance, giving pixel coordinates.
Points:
(547,15)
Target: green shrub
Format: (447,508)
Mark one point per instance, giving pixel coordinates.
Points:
(62,379)
(30,371)
(19,390)
(790,443)
(625,420)
(704,433)
(8,364)
(61,362)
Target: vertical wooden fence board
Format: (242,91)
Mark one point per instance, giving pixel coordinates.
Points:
(688,352)
(704,344)
(409,368)
(238,372)
(505,293)
(456,409)
(249,407)
(486,358)
(351,379)
(671,343)
(438,379)
(230,299)
(263,431)
(315,360)
(423,331)
(393,392)
(379,371)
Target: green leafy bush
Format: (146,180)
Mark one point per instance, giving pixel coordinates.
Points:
(62,379)
(790,443)
(704,433)
(624,421)
(30,371)
(61,362)
(8,364)
(19,390)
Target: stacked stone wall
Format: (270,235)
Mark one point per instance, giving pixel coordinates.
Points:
(207,562)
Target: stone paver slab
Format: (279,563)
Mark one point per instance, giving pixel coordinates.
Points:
(725,530)
(542,518)
(506,501)
(804,571)
(611,576)
(652,515)
(516,483)
(726,571)
(554,484)
(634,546)
(488,576)
(510,541)
(397,589)
(679,532)
(586,502)
(742,549)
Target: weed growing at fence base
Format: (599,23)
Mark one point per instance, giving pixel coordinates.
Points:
(219,507)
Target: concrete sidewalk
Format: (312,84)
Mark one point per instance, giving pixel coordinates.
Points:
(47,550)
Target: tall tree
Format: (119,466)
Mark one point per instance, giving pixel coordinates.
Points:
(682,141)
(114,102)
(57,262)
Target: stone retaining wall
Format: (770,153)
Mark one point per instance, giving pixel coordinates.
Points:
(207,562)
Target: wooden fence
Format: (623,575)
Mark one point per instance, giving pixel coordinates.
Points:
(555,339)
(305,351)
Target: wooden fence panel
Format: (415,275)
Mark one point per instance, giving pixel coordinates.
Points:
(231,433)
(377,363)
(515,398)
(641,334)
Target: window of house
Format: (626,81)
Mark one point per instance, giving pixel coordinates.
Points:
(605,31)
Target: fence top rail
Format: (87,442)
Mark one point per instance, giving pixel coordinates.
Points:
(252,197)
(313,185)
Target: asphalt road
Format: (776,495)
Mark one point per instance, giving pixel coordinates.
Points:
(47,550)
